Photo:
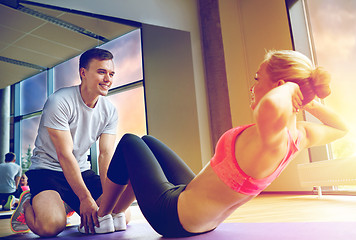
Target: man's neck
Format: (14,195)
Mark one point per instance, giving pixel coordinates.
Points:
(88,99)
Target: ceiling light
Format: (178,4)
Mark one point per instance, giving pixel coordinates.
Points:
(21,63)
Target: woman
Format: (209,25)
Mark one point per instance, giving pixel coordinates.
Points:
(23,183)
(247,159)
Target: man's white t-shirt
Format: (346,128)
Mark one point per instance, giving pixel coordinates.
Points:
(66,110)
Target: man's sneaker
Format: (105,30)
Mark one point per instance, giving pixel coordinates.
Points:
(106,225)
(119,221)
(17,221)
(70,212)
(68,209)
(10,202)
(69,218)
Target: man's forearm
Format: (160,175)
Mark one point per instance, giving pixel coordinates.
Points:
(17,181)
(74,177)
(104,162)
(106,149)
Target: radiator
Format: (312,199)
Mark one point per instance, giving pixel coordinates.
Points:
(328,173)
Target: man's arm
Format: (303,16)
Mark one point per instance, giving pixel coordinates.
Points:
(18,177)
(17,181)
(106,151)
(63,144)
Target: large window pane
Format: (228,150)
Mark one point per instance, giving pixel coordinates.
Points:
(67,74)
(33,93)
(127,61)
(29,129)
(127,58)
(334,34)
(130,106)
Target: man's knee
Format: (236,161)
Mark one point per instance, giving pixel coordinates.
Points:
(49,214)
(49,228)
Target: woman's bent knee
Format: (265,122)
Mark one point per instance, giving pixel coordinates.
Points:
(128,137)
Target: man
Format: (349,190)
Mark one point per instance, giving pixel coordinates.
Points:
(10,174)
(73,119)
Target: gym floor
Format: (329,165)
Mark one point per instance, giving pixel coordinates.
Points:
(269,208)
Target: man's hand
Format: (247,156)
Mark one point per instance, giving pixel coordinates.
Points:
(89,214)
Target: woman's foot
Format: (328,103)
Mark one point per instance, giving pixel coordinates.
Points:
(119,221)
(106,225)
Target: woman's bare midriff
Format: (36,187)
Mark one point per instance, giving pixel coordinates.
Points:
(207,201)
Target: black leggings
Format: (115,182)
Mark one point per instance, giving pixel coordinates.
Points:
(157,176)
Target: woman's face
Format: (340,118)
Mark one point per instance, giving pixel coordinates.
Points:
(262,85)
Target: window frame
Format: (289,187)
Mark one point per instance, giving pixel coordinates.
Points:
(303,42)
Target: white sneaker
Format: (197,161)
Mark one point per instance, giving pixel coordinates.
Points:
(106,225)
(119,221)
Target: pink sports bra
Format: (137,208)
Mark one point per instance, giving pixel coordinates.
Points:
(227,169)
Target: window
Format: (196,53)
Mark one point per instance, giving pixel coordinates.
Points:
(332,25)
(67,74)
(127,58)
(130,106)
(32,97)
(324,31)
(33,93)
(29,129)
(126,93)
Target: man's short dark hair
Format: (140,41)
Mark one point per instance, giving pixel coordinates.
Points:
(94,53)
(9,157)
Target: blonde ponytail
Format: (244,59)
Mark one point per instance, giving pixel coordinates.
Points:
(292,66)
(320,80)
